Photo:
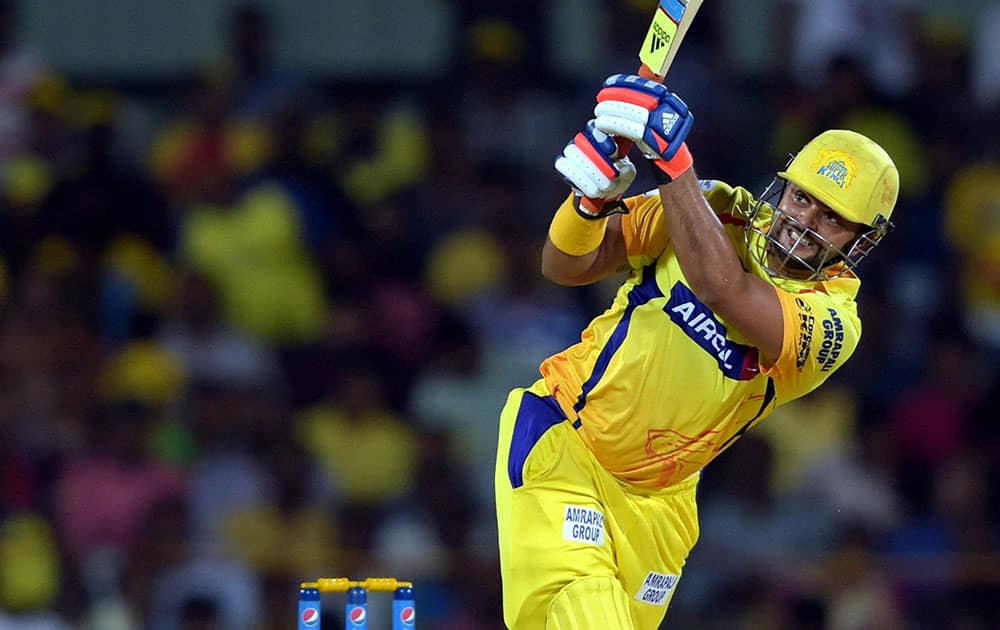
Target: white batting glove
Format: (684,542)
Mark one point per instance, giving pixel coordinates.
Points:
(591,166)
(657,120)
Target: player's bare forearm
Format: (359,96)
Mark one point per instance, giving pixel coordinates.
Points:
(713,269)
(703,248)
(608,259)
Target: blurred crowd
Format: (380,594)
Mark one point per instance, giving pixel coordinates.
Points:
(256,327)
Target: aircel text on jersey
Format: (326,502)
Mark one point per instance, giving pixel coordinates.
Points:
(706,327)
(698,320)
(699,323)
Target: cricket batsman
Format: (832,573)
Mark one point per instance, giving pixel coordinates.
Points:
(732,305)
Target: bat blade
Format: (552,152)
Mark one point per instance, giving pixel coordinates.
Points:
(670,24)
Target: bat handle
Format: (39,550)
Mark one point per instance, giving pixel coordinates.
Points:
(624,146)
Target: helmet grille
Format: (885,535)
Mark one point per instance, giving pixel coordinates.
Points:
(780,261)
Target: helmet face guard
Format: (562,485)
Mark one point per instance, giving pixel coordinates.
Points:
(762,239)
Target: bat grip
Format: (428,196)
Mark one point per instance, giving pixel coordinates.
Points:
(624,146)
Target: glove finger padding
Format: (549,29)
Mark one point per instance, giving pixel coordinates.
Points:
(624,120)
(589,166)
(636,86)
(644,111)
(580,174)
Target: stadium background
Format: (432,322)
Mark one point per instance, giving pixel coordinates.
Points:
(267,272)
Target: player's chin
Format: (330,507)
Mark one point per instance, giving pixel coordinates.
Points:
(779,252)
(789,238)
(794,263)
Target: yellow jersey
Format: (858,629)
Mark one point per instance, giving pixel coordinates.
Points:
(659,385)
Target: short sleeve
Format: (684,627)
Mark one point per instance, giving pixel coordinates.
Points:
(821,333)
(645,226)
(644,229)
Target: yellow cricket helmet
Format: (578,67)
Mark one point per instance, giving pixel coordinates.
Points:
(848,172)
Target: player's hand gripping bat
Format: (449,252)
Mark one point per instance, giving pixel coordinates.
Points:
(670,24)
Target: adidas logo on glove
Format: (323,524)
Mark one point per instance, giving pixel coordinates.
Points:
(669,120)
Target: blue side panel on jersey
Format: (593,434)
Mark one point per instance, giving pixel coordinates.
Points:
(768,399)
(674,8)
(639,295)
(535,416)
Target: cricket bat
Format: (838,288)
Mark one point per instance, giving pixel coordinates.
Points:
(670,24)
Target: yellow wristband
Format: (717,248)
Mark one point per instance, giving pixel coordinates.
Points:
(573,234)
